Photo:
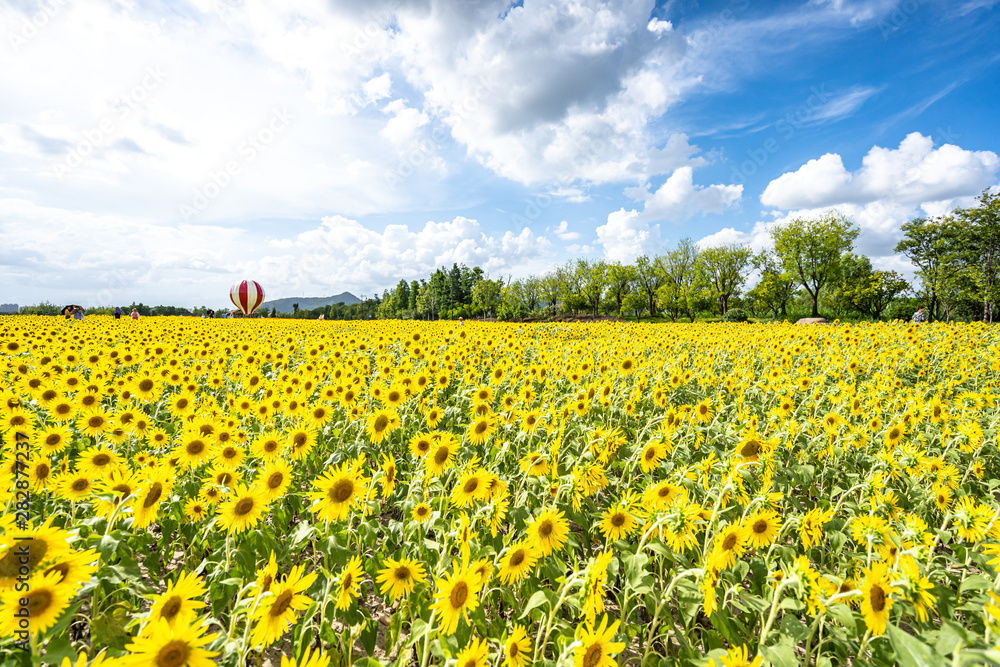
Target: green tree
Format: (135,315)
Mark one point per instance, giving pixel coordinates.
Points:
(865,290)
(486,295)
(979,240)
(811,249)
(930,244)
(620,280)
(592,278)
(776,286)
(649,276)
(725,270)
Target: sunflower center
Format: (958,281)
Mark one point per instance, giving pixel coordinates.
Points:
(402,573)
(96,421)
(299,439)
(101,460)
(441,455)
(760,526)
(381,423)
(153,496)
(81,484)
(749,449)
(618,520)
(173,654)
(275,480)
(592,657)
(481,427)
(281,604)
(513,650)
(893,434)
(878,599)
(270,446)
(730,541)
(63,408)
(195,447)
(650,454)
(545,529)
(61,568)
(38,602)
(145,385)
(42,471)
(172,607)
(243,507)
(471,485)
(517,558)
(11,563)
(342,491)
(459,594)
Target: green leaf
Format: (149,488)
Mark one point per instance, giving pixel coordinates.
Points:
(537,599)
(843,615)
(911,652)
(952,637)
(974,583)
(369,636)
(57,649)
(302,532)
(780,656)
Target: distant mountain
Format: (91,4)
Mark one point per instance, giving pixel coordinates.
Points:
(308,302)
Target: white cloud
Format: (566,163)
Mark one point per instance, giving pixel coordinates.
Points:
(562,231)
(403,125)
(914,173)
(627,235)
(679,199)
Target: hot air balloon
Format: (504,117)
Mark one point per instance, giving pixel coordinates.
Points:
(247,295)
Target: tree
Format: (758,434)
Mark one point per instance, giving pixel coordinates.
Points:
(812,250)
(930,245)
(634,303)
(776,287)
(724,268)
(592,278)
(414,292)
(649,277)
(486,295)
(620,279)
(979,239)
(295,308)
(865,290)
(531,292)
(682,288)
(550,289)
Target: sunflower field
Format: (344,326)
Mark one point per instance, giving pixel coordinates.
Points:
(247,492)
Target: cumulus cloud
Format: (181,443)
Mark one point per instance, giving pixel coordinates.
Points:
(562,231)
(627,235)
(679,198)
(913,173)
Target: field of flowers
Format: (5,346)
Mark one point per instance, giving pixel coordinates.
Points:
(196,492)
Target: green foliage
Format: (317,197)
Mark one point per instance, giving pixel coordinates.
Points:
(736,315)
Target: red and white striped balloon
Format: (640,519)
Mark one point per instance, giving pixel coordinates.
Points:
(247,295)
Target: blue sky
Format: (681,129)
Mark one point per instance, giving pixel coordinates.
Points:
(158,152)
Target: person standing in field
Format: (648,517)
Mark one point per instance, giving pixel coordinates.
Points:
(118,312)
(135,314)
(920,316)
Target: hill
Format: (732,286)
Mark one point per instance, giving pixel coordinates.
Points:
(308,302)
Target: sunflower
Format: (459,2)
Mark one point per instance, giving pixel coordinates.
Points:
(41,604)
(338,490)
(53,439)
(517,648)
(157,488)
(242,510)
(481,430)
(75,486)
(876,600)
(275,614)
(180,602)
(62,410)
(433,416)
(471,486)
(534,464)
(475,654)
(703,413)
(618,523)
(894,435)
(380,424)
(43,544)
(457,594)
(161,645)
(120,484)
(193,451)
(266,575)
(518,561)
(349,583)
(737,656)
(268,445)
(441,456)
(195,509)
(549,531)
(399,577)
(98,461)
(275,479)
(421,512)
(420,444)
(730,544)
(651,455)
(389,473)
(301,441)
(593,587)
(596,646)
(93,422)
(40,473)
(228,456)
(311,658)
(763,528)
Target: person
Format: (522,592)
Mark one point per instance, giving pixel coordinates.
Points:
(135,314)
(118,312)
(461,322)
(920,316)
(78,313)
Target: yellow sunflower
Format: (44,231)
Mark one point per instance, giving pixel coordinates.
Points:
(399,577)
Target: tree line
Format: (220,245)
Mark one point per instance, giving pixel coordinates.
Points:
(813,269)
